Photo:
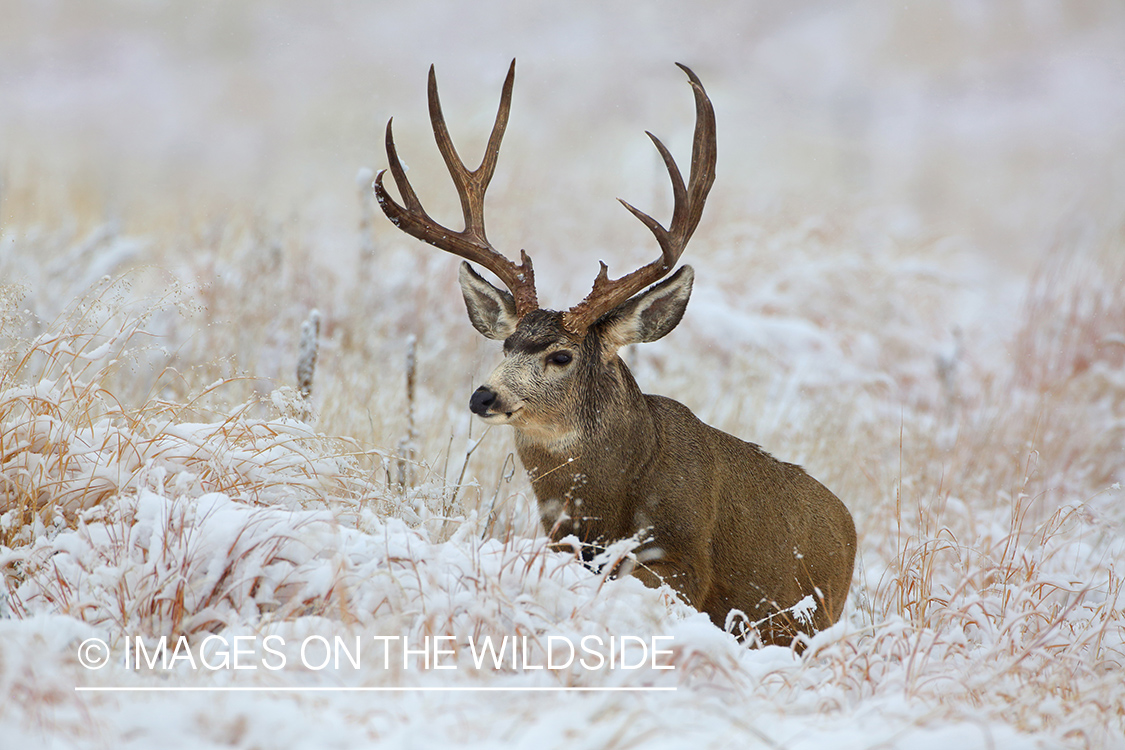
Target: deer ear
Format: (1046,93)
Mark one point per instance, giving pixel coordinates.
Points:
(492,310)
(651,314)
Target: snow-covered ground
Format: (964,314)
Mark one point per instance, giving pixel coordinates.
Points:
(910,279)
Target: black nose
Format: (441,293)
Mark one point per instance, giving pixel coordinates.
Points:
(481,400)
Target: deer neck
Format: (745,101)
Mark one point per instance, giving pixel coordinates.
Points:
(611,438)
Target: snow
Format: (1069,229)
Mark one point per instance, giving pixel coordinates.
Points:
(866,304)
(283,600)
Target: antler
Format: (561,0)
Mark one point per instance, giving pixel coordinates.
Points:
(686,213)
(471,243)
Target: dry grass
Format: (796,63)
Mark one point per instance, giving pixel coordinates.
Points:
(156,433)
(162,473)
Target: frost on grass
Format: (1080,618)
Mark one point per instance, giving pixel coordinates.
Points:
(138,520)
(307,352)
(988,590)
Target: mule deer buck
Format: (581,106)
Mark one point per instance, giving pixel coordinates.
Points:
(757,544)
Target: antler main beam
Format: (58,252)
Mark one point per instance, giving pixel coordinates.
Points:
(688,209)
(471,243)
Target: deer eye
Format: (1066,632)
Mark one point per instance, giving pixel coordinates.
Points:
(559,358)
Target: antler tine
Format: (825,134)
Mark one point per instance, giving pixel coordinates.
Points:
(687,210)
(471,243)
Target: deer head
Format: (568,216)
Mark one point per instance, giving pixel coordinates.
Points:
(558,365)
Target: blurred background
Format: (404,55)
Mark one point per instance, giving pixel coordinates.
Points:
(1001,124)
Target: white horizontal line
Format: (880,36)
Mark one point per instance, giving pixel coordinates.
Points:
(250,689)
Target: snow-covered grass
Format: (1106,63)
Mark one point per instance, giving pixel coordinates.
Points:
(918,345)
(139,502)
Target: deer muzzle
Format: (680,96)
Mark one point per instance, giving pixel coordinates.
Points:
(482,400)
(492,407)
